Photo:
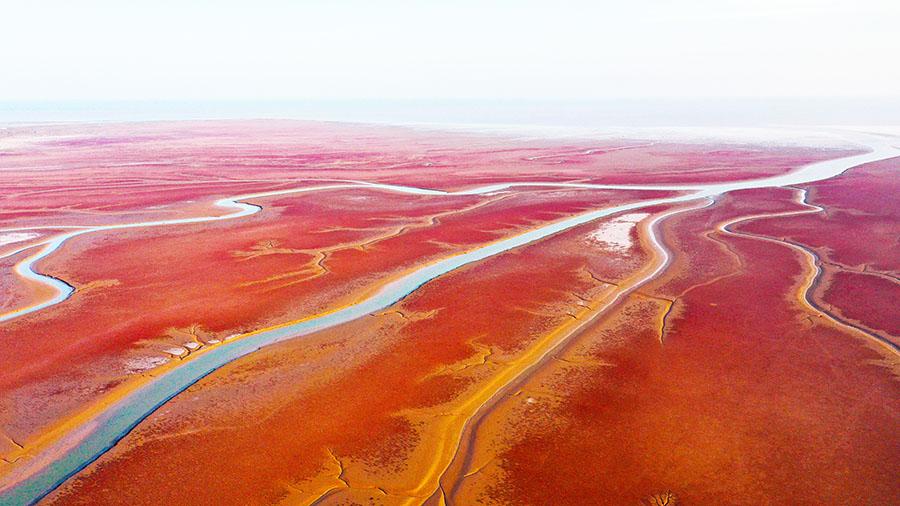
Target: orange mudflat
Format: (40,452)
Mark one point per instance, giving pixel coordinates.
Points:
(627,321)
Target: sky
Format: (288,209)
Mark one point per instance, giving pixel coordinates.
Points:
(348,49)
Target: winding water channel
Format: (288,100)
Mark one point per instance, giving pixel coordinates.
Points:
(44,468)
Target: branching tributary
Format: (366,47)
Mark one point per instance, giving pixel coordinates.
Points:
(47,462)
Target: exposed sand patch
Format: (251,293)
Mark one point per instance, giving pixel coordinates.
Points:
(141,364)
(615,234)
(176,352)
(12,237)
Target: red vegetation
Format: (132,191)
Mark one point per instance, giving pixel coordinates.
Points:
(749,398)
(714,384)
(363,393)
(159,287)
(867,299)
(859,228)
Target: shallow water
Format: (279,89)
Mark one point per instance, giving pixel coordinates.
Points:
(31,481)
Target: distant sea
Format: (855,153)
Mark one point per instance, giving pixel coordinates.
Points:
(564,113)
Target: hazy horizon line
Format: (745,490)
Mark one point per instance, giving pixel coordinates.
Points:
(738,111)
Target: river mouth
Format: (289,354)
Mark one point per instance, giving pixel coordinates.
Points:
(73,451)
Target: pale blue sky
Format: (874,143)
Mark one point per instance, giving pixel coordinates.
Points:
(94,49)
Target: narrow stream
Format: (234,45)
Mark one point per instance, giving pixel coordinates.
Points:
(37,475)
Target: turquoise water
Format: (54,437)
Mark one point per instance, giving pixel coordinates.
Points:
(114,423)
